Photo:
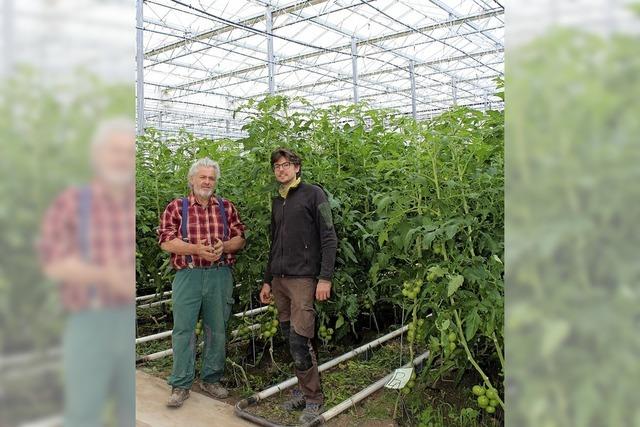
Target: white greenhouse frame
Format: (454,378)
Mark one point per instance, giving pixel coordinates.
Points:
(203,59)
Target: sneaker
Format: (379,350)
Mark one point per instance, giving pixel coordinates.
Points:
(215,389)
(311,412)
(178,396)
(295,403)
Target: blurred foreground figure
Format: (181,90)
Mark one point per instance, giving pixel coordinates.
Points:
(88,247)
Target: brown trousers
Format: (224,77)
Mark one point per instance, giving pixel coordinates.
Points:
(294,298)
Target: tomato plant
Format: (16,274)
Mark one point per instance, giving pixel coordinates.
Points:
(417,207)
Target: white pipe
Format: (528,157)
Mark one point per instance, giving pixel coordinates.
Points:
(253,327)
(152,296)
(154,356)
(169,352)
(154,304)
(331,363)
(53,421)
(154,337)
(21,372)
(166,334)
(239,315)
(252,312)
(346,404)
(30,358)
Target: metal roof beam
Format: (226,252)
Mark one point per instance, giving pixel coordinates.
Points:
(371,40)
(227,28)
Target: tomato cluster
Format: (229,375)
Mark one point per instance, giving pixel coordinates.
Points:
(410,384)
(243,332)
(199,327)
(411,290)
(325,333)
(452,338)
(487,398)
(417,331)
(269,326)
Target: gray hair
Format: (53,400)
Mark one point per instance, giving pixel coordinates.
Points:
(203,163)
(109,127)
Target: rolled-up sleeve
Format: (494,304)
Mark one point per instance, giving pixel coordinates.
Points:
(236,226)
(170,222)
(58,237)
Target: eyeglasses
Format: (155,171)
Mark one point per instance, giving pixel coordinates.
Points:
(282,166)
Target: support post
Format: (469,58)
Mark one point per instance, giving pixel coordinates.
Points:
(412,76)
(8,18)
(139,70)
(270,60)
(454,90)
(354,68)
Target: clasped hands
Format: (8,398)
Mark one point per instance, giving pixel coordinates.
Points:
(211,253)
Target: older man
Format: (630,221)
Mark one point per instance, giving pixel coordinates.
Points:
(87,246)
(203,232)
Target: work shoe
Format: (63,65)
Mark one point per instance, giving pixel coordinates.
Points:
(310,412)
(215,389)
(178,396)
(295,403)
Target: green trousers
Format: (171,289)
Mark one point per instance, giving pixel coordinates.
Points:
(99,367)
(209,290)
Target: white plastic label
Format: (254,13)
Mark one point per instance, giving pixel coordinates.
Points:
(400,378)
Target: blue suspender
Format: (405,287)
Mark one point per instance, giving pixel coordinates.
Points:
(225,222)
(225,225)
(84,225)
(183,225)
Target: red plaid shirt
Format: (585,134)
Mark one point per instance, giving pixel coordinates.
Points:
(102,233)
(205,223)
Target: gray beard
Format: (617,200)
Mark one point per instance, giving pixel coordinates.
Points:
(205,194)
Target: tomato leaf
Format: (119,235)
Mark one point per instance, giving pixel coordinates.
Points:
(339,322)
(454,283)
(472,322)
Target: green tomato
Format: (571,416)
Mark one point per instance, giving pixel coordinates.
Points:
(411,383)
(406,390)
(330,331)
(275,322)
(493,402)
(452,337)
(490,409)
(322,329)
(478,390)
(452,346)
(483,402)
(491,393)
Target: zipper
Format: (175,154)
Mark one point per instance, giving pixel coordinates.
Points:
(282,240)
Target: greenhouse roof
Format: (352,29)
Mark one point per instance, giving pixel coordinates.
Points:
(203,59)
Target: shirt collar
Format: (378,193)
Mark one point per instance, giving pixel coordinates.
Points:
(284,190)
(193,200)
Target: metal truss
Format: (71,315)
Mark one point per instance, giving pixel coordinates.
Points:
(198,61)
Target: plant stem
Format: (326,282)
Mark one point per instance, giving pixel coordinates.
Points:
(463,341)
(244,375)
(498,350)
